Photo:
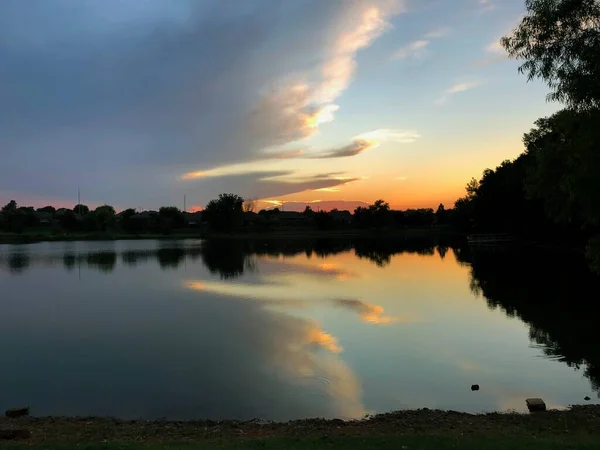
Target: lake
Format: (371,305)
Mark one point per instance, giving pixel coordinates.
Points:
(278,329)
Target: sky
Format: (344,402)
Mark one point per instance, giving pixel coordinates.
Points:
(138,103)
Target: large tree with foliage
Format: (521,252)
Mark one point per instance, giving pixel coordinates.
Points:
(559,42)
(47,209)
(565,168)
(104,216)
(81,209)
(8,214)
(170,218)
(224,213)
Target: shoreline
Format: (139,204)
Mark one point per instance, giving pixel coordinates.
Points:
(32,238)
(577,421)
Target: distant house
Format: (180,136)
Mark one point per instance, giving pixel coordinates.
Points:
(44,218)
(343,217)
(60,213)
(249,218)
(291,218)
(193,220)
(146,216)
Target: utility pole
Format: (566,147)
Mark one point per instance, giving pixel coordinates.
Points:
(184,205)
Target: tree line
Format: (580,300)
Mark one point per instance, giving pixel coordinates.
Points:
(226,214)
(550,193)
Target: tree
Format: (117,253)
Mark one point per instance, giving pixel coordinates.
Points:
(68,221)
(377,215)
(249,205)
(10,207)
(127,223)
(559,41)
(324,220)
(380,213)
(224,213)
(9,212)
(308,211)
(47,209)
(170,218)
(441,214)
(81,209)
(565,169)
(104,216)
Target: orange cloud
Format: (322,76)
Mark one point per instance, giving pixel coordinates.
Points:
(324,340)
(373,314)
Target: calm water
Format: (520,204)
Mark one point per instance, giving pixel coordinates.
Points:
(282,330)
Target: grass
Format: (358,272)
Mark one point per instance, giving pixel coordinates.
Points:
(343,443)
(576,428)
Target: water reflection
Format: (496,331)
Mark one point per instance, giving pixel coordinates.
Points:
(227,258)
(554,294)
(283,329)
(18,262)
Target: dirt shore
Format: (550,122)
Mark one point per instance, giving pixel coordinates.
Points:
(582,421)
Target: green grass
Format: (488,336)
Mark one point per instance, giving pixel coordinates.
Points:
(345,443)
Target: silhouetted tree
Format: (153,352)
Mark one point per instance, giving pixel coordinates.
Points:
(68,221)
(324,220)
(377,215)
(170,218)
(565,169)
(104,216)
(559,41)
(127,223)
(224,213)
(47,209)
(10,207)
(81,209)
(381,213)
(8,213)
(441,214)
(249,205)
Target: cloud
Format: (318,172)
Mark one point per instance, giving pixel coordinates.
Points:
(415,49)
(418,49)
(438,33)
(322,205)
(361,143)
(357,147)
(495,47)
(367,141)
(324,340)
(294,110)
(497,53)
(261,185)
(373,314)
(120,99)
(455,89)
(486,5)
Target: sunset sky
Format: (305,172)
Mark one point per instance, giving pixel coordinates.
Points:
(140,102)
